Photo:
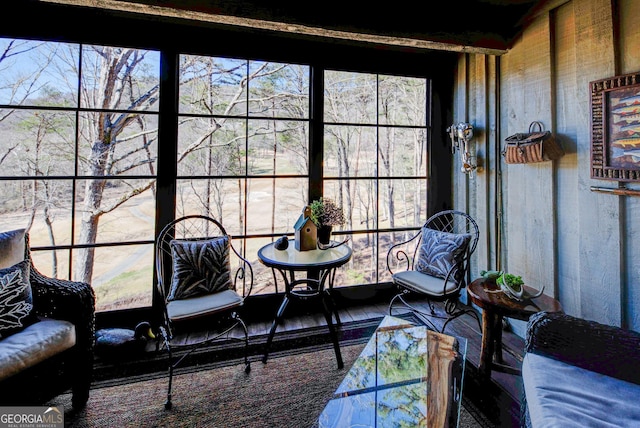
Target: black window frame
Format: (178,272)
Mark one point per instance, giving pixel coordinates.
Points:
(84,25)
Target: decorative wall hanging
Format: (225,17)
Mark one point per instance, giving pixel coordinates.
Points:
(537,145)
(461,134)
(615,128)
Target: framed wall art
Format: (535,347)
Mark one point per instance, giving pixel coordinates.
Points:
(615,128)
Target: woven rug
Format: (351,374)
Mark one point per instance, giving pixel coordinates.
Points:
(288,391)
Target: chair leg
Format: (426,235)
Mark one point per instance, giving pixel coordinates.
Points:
(397,296)
(247,363)
(453,311)
(425,318)
(164,336)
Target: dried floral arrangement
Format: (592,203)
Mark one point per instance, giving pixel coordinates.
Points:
(325,212)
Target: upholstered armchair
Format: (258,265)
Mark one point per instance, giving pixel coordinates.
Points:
(579,373)
(50,349)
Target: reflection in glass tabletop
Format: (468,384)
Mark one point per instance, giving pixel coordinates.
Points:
(405,376)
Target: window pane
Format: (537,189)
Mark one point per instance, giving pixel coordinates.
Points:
(126,211)
(350,151)
(358,201)
(349,97)
(37,142)
(210,146)
(222,199)
(264,281)
(122,276)
(128,148)
(402,152)
(274,205)
(212,86)
(402,203)
(38,73)
(51,263)
(402,101)
(48,201)
(120,79)
(361,269)
(278,90)
(278,147)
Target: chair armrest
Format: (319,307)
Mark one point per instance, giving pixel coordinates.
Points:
(604,349)
(66,300)
(401,255)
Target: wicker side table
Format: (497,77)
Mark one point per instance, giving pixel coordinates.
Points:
(495,306)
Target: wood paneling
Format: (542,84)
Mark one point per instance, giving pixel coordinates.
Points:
(599,214)
(567,167)
(629,48)
(579,244)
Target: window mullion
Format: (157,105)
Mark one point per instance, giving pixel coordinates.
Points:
(316,132)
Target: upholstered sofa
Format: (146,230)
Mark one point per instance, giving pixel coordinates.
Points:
(579,373)
(46,330)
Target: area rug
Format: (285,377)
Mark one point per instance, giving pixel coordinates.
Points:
(288,391)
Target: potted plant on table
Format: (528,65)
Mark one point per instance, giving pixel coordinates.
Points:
(326,214)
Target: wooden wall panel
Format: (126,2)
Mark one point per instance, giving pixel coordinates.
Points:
(629,48)
(479,179)
(629,42)
(599,214)
(567,166)
(460,114)
(529,204)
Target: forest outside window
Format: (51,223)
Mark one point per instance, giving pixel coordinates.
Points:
(375,151)
(79,149)
(78,132)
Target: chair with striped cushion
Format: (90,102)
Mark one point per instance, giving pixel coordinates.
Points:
(434,264)
(203,281)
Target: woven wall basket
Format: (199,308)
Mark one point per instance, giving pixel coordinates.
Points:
(536,145)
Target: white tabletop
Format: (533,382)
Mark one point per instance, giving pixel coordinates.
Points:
(293,259)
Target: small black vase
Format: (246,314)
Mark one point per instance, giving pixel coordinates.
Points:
(324,234)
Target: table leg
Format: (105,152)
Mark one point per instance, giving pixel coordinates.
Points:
(332,331)
(497,349)
(274,326)
(488,343)
(334,308)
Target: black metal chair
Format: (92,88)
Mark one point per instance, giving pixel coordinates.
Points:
(434,264)
(200,286)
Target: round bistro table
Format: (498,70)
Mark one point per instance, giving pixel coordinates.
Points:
(320,266)
(495,305)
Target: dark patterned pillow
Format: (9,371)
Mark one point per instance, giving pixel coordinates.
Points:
(440,251)
(199,267)
(16,299)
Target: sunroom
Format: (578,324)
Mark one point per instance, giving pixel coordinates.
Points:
(117,118)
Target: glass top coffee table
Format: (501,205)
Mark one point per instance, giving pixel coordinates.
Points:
(405,376)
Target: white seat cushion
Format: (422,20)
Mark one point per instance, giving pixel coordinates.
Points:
(562,395)
(35,344)
(208,304)
(422,283)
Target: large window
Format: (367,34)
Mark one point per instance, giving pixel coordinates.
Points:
(375,162)
(243,143)
(79,150)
